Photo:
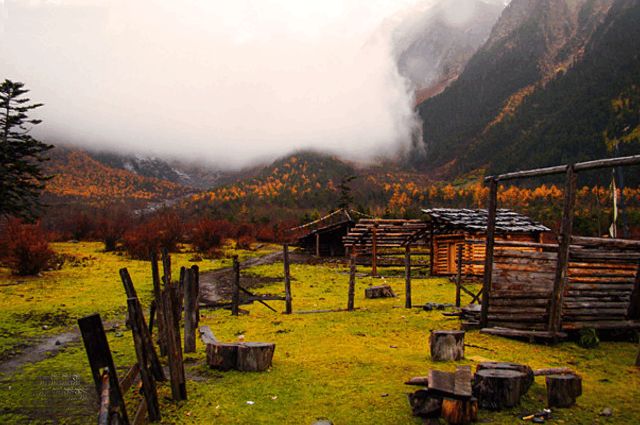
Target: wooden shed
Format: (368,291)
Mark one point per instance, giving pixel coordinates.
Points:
(323,237)
(466,229)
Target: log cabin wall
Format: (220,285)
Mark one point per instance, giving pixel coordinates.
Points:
(602,291)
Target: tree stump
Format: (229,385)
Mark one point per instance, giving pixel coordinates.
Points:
(562,390)
(382,291)
(425,404)
(255,356)
(496,389)
(527,380)
(222,356)
(447,345)
(460,412)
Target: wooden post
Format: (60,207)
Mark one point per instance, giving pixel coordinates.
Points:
(638,359)
(352,280)
(458,275)
(562,265)
(432,245)
(633,313)
(235,308)
(157,294)
(99,355)
(148,383)
(174,350)
(317,244)
(190,313)
(374,251)
(488,259)
(287,278)
(407,277)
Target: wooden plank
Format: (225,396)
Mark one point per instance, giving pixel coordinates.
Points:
(129,378)
(606,242)
(462,387)
(141,414)
(514,333)
(602,324)
(287,279)
(489,250)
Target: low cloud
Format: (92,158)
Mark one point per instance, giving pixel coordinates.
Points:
(224,82)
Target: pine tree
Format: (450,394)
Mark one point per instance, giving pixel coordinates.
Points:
(21,155)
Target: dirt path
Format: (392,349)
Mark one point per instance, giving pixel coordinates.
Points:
(44,348)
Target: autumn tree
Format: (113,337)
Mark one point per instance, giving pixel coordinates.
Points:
(21,155)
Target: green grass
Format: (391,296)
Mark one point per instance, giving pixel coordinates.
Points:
(348,367)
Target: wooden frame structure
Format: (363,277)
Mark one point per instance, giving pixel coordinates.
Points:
(601,256)
(323,237)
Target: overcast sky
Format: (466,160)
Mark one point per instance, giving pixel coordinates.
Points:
(229,82)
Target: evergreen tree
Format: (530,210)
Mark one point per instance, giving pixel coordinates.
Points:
(346,199)
(21,155)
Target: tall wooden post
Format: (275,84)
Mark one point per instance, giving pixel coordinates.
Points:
(235,308)
(352,280)
(190,310)
(157,295)
(374,251)
(432,251)
(407,276)
(287,278)
(488,259)
(317,244)
(459,274)
(562,265)
(638,359)
(634,305)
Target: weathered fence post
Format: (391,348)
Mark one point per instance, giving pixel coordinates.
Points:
(488,259)
(148,383)
(317,244)
(352,280)
(235,307)
(190,310)
(287,278)
(458,275)
(157,294)
(99,355)
(562,265)
(407,277)
(374,250)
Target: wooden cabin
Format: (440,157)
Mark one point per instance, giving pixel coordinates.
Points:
(323,237)
(464,228)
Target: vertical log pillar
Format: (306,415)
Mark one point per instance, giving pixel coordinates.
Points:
(374,250)
(190,311)
(287,278)
(633,313)
(157,295)
(235,308)
(488,259)
(352,280)
(407,276)
(432,251)
(317,244)
(638,359)
(562,265)
(459,274)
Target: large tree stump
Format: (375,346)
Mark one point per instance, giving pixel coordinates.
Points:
(255,356)
(527,379)
(425,404)
(460,412)
(446,345)
(222,356)
(496,389)
(382,291)
(562,390)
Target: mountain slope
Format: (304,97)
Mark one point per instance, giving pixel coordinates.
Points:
(532,43)
(79,176)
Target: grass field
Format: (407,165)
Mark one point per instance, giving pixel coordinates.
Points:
(347,367)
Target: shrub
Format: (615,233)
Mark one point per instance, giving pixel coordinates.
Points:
(207,235)
(25,248)
(244,242)
(162,231)
(112,225)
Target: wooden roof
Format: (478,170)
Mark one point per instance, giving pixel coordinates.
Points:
(329,222)
(388,233)
(507,221)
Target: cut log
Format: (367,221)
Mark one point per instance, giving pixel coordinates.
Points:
(460,412)
(446,345)
(425,404)
(382,291)
(497,389)
(222,356)
(418,381)
(562,390)
(255,356)
(527,380)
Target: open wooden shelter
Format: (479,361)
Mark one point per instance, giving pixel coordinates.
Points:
(580,282)
(454,229)
(323,237)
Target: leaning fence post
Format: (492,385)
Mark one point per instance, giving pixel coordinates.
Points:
(287,278)
(235,307)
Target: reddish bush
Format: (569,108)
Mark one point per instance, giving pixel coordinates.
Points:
(208,235)
(244,242)
(113,223)
(25,248)
(159,232)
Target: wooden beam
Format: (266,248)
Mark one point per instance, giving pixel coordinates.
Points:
(287,278)
(562,264)
(488,258)
(407,276)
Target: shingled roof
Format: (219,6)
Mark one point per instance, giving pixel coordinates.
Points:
(507,221)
